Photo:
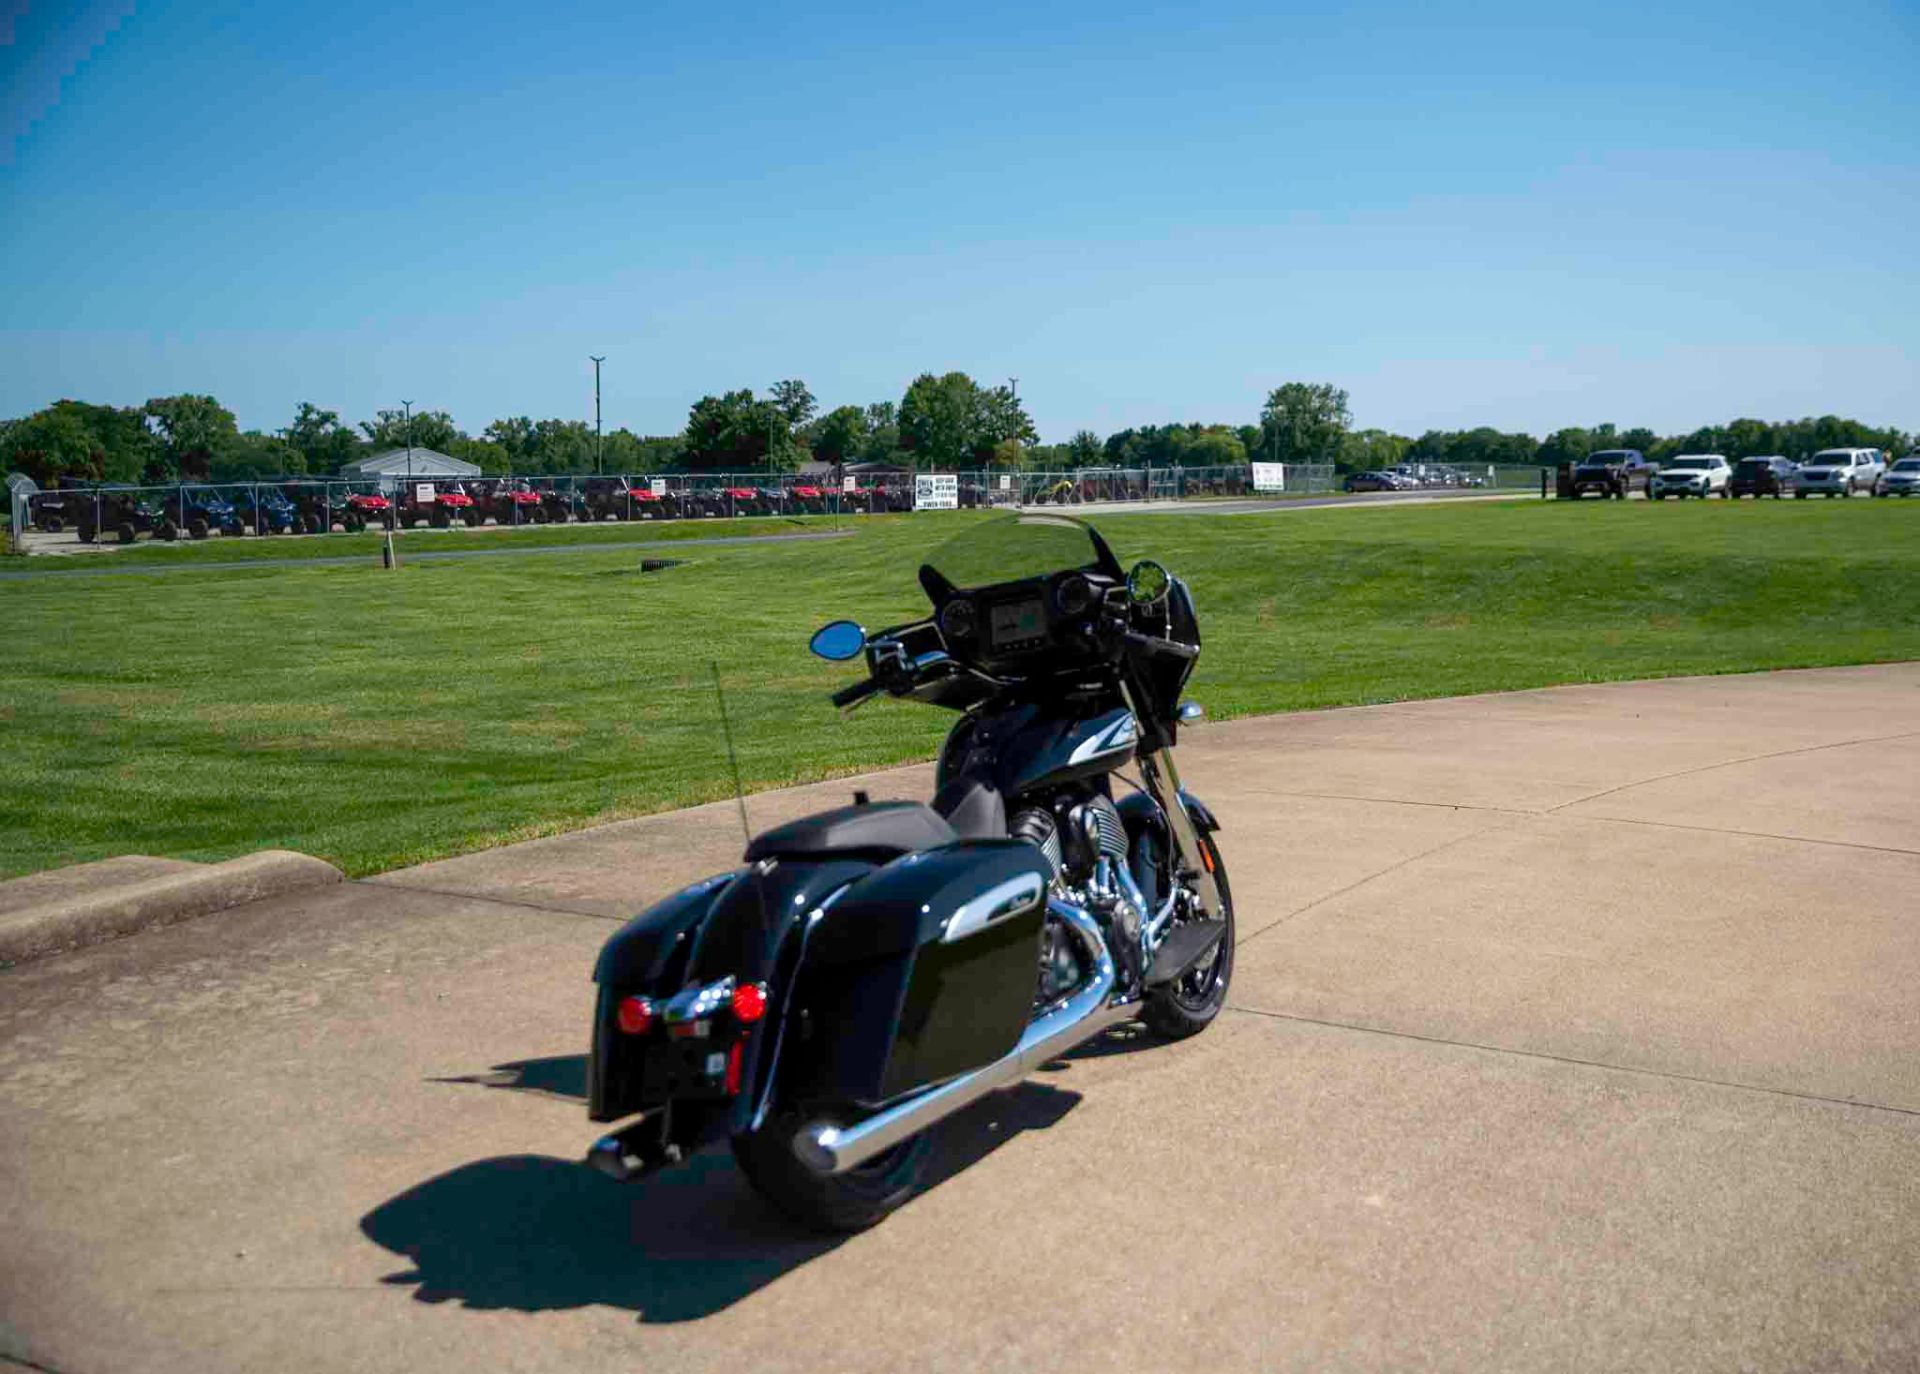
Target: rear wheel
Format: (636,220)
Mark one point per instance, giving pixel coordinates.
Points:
(852,1201)
(1188,1005)
(127,532)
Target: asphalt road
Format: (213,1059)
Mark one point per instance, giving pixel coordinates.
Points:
(1571,1030)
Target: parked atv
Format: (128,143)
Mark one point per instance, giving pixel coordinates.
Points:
(119,512)
(360,510)
(441,505)
(508,502)
(563,504)
(53,511)
(265,511)
(807,499)
(198,512)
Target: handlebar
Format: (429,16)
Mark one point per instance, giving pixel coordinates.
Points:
(858,692)
(1164,646)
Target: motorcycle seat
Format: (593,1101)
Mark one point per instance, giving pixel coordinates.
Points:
(881,831)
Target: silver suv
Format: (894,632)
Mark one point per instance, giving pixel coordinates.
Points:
(1839,472)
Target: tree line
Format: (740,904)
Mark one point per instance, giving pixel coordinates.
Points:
(948,422)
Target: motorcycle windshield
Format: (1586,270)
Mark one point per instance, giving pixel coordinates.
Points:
(1017,547)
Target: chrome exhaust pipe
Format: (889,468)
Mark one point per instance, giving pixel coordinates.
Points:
(827,1148)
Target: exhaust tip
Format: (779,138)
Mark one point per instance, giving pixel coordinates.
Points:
(815,1147)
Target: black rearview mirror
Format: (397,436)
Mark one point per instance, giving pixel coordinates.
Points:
(839,641)
(1148,583)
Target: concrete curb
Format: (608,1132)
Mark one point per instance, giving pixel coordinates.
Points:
(91,918)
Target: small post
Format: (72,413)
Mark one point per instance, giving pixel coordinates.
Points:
(388,558)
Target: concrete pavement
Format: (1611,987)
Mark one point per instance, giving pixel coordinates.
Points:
(1571,1029)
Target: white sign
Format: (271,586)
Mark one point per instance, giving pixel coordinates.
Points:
(423,492)
(936,491)
(659,485)
(849,483)
(1006,482)
(1269,476)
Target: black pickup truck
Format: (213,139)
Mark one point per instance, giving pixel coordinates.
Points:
(1611,472)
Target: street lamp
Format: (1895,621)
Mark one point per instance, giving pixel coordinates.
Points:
(599,446)
(409,406)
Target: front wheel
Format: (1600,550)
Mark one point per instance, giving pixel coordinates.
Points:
(852,1201)
(1189,1004)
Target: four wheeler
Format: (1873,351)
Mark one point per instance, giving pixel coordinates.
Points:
(199,512)
(614,498)
(439,504)
(265,510)
(53,511)
(808,499)
(359,509)
(509,502)
(563,504)
(118,511)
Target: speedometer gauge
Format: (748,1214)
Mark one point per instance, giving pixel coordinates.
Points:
(957,619)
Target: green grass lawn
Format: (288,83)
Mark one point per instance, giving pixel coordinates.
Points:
(381,718)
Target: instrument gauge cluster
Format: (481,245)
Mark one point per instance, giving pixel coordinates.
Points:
(958,620)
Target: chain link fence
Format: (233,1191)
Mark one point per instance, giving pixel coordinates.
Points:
(303,505)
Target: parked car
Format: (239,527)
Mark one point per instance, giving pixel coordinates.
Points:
(1691,474)
(1371,481)
(1840,472)
(1902,479)
(1771,475)
(1610,472)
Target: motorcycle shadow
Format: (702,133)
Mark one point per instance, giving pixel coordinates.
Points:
(532,1233)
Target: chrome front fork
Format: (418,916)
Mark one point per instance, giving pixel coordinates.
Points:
(1162,781)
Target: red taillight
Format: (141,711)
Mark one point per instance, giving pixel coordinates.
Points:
(750,1002)
(635,1015)
(733,1068)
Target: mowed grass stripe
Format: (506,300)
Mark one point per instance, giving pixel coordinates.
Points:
(382,718)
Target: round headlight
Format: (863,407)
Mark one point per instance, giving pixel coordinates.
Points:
(1074,596)
(957,619)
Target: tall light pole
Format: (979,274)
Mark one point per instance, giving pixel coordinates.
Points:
(599,446)
(409,406)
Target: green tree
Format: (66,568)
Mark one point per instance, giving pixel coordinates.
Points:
(882,444)
(197,429)
(254,454)
(737,433)
(840,434)
(1370,450)
(514,434)
(1084,449)
(1216,446)
(1302,422)
(51,445)
(432,429)
(792,399)
(324,444)
(941,419)
(1564,446)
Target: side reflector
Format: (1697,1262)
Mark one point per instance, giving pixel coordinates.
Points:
(635,1015)
(750,1002)
(733,1068)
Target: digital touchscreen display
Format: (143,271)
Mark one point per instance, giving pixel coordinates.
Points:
(1015,622)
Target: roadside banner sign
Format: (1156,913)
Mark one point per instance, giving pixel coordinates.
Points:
(1269,476)
(659,485)
(849,483)
(423,491)
(1006,482)
(936,491)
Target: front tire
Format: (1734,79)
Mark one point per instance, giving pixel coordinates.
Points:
(852,1201)
(1189,1004)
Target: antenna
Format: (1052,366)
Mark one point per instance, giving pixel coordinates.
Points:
(733,763)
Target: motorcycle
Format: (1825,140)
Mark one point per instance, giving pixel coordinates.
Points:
(872,969)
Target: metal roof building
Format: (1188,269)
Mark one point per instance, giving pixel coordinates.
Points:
(418,462)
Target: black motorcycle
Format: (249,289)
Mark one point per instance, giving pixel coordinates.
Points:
(872,969)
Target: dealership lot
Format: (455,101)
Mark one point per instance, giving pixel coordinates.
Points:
(1571,1026)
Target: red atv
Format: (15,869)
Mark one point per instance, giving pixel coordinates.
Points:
(359,509)
(512,503)
(440,506)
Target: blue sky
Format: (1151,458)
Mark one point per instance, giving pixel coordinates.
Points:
(1519,215)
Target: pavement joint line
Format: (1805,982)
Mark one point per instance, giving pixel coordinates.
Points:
(374,881)
(1753,834)
(1575,1061)
(1279,921)
(1732,763)
(1395,801)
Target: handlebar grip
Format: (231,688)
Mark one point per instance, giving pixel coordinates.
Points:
(859,691)
(1165,646)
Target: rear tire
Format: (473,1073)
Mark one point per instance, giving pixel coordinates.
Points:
(852,1201)
(1189,1004)
(127,532)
